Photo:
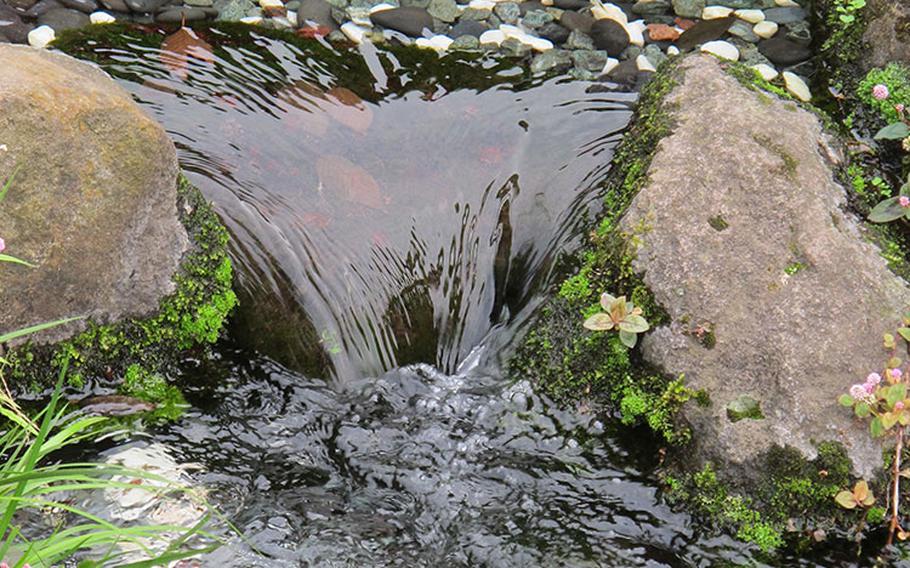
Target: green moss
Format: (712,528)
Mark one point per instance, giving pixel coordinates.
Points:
(718,223)
(191,316)
(152,387)
(570,363)
(896,77)
(843,23)
(794,267)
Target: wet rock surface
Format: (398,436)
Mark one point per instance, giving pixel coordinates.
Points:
(887,33)
(93,201)
(792,340)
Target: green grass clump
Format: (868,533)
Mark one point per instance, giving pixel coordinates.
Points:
(896,77)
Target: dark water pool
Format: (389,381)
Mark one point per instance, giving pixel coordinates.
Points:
(395,220)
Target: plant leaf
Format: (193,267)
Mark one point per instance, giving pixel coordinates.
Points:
(606,300)
(862,410)
(860,490)
(846,400)
(876,428)
(599,322)
(634,324)
(887,210)
(905,333)
(14,260)
(845,500)
(628,339)
(889,419)
(896,393)
(894,131)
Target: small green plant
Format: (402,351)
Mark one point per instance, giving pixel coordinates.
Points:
(859,496)
(883,400)
(621,315)
(846,11)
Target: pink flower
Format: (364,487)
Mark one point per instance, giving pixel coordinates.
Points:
(880,92)
(899,107)
(873,379)
(899,405)
(904,201)
(897,374)
(2,248)
(856,391)
(869,387)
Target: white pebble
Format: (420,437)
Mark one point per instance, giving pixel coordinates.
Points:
(536,43)
(492,36)
(765,29)
(644,64)
(722,49)
(381,7)
(251,20)
(672,50)
(636,31)
(786,3)
(482,4)
(41,36)
(767,72)
(101,18)
(715,12)
(612,63)
(602,11)
(547,2)
(751,16)
(437,42)
(292,18)
(354,32)
(271,4)
(797,86)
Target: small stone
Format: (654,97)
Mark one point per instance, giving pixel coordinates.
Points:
(610,36)
(688,8)
(644,64)
(465,43)
(800,32)
(786,3)
(101,18)
(410,21)
(233,10)
(651,7)
(468,28)
(662,32)
(86,6)
(684,24)
(536,18)
(492,37)
(272,8)
(553,32)
(571,4)
(251,20)
(610,65)
(178,15)
(786,15)
(672,50)
(609,12)
(20,5)
(715,12)
(576,21)
(722,49)
(704,31)
(589,60)
(526,7)
(765,29)
(514,46)
(64,19)
(636,31)
(767,72)
(445,10)
(199,3)
(579,40)
(508,12)
(743,30)
(354,32)
(41,36)
(751,16)
(316,13)
(438,42)
(784,52)
(654,54)
(476,14)
(797,86)
(552,60)
(43,6)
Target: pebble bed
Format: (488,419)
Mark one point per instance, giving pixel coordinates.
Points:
(619,42)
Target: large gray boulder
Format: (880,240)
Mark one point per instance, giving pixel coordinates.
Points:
(887,33)
(744,233)
(93,203)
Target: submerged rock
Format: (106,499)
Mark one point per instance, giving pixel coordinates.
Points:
(410,21)
(93,202)
(789,342)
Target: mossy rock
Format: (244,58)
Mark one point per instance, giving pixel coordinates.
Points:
(116,236)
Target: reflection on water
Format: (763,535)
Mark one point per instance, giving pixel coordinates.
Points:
(389,225)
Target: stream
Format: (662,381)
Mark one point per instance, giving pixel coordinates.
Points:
(395,221)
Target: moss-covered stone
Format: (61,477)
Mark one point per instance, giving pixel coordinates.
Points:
(134,351)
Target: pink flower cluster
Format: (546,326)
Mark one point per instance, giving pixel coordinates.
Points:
(5,565)
(2,248)
(863,391)
(880,92)
(904,201)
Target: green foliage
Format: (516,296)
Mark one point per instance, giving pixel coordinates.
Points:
(794,267)
(845,24)
(577,288)
(896,77)
(848,9)
(153,387)
(621,315)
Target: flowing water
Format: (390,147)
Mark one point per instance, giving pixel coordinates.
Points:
(395,221)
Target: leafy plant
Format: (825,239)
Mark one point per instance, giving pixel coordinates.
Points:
(883,400)
(846,12)
(620,315)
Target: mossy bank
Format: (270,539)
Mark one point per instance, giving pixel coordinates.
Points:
(697,232)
